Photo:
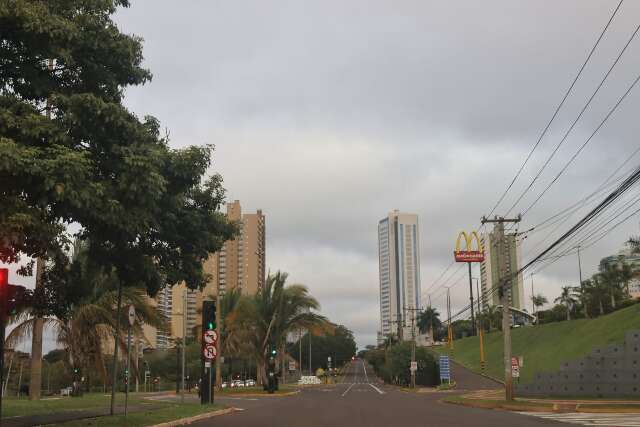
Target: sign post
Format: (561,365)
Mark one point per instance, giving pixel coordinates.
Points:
(131,315)
(413,366)
(515,367)
(445,369)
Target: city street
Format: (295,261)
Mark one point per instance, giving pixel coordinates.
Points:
(360,400)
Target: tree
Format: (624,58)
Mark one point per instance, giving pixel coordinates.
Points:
(89,323)
(538,301)
(492,317)
(610,277)
(429,321)
(340,345)
(567,299)
(151,216)
(274,311)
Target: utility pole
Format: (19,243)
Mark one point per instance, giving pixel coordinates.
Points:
(184,340)
(220,326)
(449,327)
(473,319)
(582,296)
(505,277)
(413,343)
(533,304)
(310,369)
(480,328)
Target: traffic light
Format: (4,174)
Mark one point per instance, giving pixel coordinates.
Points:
(274,352)
(209,315)
(12,297)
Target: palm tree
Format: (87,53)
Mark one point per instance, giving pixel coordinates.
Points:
(390,340)
(493,316)
(429,321)
(538,301)
(625,274)
(274,311)
(567,299)
(610,277)
(91,321)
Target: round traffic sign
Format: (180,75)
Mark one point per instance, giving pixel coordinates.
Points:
(210,336)
(132,315)
(210,352)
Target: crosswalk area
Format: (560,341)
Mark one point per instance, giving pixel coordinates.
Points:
(590,419)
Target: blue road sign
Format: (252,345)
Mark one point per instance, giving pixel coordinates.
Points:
(445,368)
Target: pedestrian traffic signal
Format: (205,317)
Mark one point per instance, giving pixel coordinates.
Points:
(209,315)
(274,352)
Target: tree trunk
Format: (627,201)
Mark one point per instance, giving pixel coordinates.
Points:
(601,307)
(568,313)
(35,381)
(613,300)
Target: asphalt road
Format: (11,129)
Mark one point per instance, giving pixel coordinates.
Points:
(361,400)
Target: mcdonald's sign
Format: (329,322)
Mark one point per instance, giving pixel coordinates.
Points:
(468,253)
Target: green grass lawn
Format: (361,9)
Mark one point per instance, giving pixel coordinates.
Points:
(13,406)
(171,411)
(544,347)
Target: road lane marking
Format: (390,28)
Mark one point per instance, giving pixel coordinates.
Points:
(365,372)
(348,388)
(376,389)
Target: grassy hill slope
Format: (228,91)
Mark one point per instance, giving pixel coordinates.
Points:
(544,347)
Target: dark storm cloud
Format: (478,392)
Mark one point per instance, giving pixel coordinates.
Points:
(329,114)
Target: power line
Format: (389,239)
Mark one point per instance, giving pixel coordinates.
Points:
(573,124)
(615,107)
(555,113)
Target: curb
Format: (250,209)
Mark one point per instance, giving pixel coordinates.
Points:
(289,393)
(498,406)
(559,408)
(189,420)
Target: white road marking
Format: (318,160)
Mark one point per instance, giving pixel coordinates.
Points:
(588,419)
(348,388)
(376,389)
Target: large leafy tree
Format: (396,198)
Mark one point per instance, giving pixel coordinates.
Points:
(70,152)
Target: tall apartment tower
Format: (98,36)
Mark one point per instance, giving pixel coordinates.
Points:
(240,263)
(489,271)
(399,268)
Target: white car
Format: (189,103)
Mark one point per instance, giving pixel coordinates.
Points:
(250,383)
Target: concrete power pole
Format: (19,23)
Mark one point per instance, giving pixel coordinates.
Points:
(505,285)
(220,327)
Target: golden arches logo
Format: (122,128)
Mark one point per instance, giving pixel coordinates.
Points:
(469,253)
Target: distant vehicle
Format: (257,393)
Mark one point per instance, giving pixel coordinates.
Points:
(225,384)
(250,383)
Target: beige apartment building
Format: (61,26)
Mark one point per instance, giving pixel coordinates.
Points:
(240,263)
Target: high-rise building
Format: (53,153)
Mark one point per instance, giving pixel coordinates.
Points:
(489,271)
(240,263)
(399,268)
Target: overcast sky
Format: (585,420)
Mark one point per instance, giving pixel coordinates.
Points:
(329,114)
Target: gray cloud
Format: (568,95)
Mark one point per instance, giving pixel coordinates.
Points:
(327,115)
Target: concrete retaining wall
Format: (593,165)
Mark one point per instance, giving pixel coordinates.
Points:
(612,371)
